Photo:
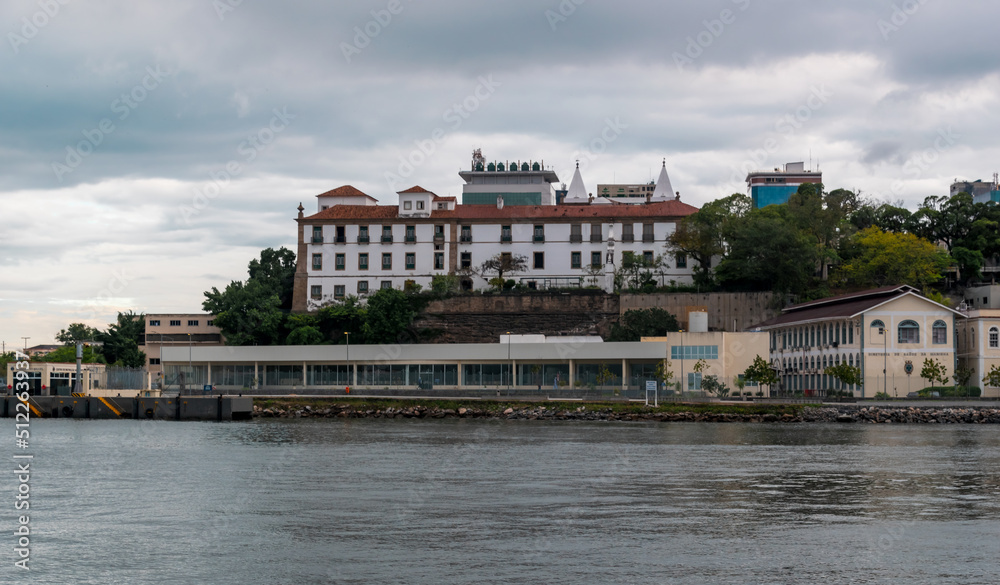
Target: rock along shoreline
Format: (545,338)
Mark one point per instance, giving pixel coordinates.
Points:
(590,412)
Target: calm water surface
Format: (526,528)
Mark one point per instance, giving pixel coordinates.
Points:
(345,502)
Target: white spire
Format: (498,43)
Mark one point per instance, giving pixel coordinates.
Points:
(664,191)
(577,192)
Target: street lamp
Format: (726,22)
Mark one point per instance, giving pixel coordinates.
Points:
(190,350)
(349,376)
(885,361)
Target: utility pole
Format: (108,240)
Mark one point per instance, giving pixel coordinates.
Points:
(25,343)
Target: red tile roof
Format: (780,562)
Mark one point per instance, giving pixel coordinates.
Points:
(346,191)
(416,189)
(440,198)
(672,209)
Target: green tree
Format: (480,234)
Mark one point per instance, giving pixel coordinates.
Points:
(638,323)
(504,263)
(767,252)
(67,355)
(761,372)
(664,372)
(77,332)
(701,235)
(877,258)
(275,269)
(934,371)
(847,374)
(389,313)
(636,272)
(337,319)
(120,343)
(992,378)
(247,314)
(712,385)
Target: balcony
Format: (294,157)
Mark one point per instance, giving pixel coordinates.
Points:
(362,239)
(647,238)
(596,238)
(628,238)
(410,239)
(538,238)
(506,239)
(340,240)
(575,238)
(438,238)
(465,239)
(386,239)
(317,239)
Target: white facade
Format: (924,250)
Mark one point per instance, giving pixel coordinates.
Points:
(350,249)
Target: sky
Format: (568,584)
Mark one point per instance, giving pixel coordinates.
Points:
(150,150)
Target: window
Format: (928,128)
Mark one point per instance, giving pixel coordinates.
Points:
(387,234)
(362,287)
(994,337)
(505,235)
(338,291)
(647,232)
(154,361)
(439,232)
(694,381)
(539,260)
(596,232)
(192,322)
(466,259)
(324,208)
(316,291)
(539,233)
(574,260)
(694,352)
(647,257)
(154,323)
(466,233)
(438,260)
(411,261)
(339,238)
(210,322)
(595,259)
(363,234)
(363,261)
(407,205)
(339,261)
(387,261)
(317,234)
(175,322)
(386,284)
(411,233)
(909,332)
(575,235)
(317,262)
(627,233)
(939,333)
(420,204)
(682,261)
(878,323)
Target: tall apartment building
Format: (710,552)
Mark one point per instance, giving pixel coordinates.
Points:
(775,187)
(353,246)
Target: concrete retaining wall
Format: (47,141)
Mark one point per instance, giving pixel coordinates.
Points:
(187,408)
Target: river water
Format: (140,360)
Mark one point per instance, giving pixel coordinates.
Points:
(462,501)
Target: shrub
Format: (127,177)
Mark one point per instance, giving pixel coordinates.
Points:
(951,391)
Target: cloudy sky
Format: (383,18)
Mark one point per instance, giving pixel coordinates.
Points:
(151,149)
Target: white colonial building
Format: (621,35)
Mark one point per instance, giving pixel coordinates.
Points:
(353,245)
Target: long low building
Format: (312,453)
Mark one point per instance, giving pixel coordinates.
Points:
(555,365)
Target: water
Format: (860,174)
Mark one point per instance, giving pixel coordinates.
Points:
(458,501)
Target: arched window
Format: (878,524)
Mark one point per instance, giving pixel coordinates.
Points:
(850,359)
(879,324)
(909,332)
(994,337)
(939,333)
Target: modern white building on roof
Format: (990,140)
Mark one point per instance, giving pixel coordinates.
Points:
(354,246)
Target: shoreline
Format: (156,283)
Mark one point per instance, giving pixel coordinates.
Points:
(624,412)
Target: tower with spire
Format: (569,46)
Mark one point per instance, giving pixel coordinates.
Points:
(577,193)
(664,190)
